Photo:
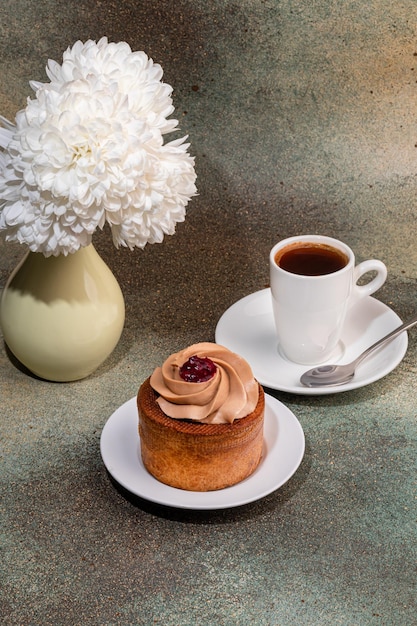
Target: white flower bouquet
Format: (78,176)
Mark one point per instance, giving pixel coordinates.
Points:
(89,149)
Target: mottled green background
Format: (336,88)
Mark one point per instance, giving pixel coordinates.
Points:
(302,117)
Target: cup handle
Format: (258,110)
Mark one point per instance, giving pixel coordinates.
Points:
(360,291)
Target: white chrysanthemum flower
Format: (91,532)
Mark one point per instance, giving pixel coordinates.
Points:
(89,149)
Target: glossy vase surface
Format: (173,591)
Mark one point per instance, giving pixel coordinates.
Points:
(62,316)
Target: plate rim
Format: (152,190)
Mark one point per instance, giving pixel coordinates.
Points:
(401,341)
(212,500)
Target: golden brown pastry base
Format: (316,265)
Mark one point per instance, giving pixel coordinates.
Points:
(194,456)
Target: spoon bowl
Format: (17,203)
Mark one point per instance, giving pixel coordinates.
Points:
(333,375)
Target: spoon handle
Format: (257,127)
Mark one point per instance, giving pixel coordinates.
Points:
(411,322)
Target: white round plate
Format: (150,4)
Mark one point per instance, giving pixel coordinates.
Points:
(282,454)
(248,328)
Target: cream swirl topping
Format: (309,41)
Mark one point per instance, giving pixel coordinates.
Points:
(232,393)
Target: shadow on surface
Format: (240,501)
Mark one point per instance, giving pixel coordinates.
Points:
(270,503)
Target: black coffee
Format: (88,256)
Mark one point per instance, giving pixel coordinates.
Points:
(310,259)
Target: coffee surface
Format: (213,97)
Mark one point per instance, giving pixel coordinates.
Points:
(310,259)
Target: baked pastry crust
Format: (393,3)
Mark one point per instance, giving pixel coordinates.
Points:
(196,456)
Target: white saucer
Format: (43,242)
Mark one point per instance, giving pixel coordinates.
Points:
(283,451)
(248,328)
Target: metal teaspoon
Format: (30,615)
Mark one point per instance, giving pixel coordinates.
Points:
(331,375)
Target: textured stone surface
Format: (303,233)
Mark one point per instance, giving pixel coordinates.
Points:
(302,117)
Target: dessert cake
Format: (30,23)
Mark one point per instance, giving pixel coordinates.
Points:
(201,419)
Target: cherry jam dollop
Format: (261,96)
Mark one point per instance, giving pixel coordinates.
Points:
(197,369)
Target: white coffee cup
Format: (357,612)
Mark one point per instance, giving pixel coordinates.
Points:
(309,310)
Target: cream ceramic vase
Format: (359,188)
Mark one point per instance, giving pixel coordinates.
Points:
(62,316)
